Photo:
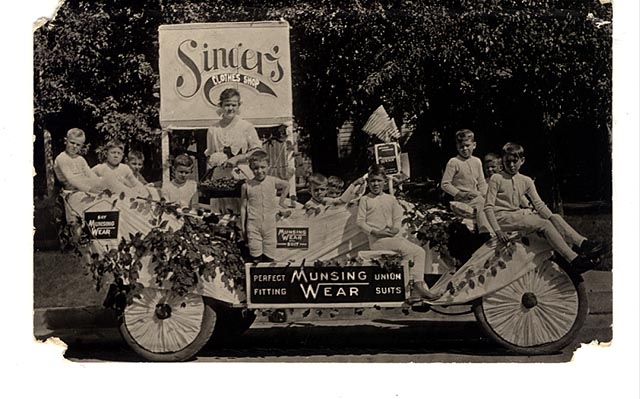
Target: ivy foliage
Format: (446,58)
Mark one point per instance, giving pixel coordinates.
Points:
(201,249)
(476,277)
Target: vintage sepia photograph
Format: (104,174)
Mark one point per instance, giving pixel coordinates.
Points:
(201,168)
(364,181)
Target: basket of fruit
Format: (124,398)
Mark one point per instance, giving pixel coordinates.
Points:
(221,187)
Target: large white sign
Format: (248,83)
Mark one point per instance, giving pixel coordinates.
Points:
(199,61)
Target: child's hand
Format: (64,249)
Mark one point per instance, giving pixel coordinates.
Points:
(502,236)
(383,233)
(331,201)
(460,196)
(311,209)
(232,162)
(392,230)
(284,213)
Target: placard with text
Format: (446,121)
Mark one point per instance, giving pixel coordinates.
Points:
(292,237)
(102,225)
(295,286)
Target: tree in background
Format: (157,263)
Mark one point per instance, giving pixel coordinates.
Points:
(536,71)
(98,62)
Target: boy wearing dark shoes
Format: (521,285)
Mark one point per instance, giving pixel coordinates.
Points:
(502,207)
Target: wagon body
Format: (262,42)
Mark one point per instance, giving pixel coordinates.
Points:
(520,296)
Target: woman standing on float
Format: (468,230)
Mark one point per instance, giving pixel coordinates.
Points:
(229,144)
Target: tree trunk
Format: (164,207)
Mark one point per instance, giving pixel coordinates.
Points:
(552,162)
(48,163)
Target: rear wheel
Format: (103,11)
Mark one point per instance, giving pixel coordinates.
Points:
(160,326)
(539,313)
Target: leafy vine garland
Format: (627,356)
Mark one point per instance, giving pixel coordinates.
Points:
(202,248)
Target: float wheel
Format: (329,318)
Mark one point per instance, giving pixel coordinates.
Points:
(162,327)
(539,313)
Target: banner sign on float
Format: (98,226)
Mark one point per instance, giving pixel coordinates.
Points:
(348,286)
(199,61)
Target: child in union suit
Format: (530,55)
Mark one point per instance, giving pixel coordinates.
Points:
(182,189)
(504,212)
(118,176)
(464,180)
(380,216)
(72,170)
(259,207)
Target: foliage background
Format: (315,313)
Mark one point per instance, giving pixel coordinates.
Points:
(537,72)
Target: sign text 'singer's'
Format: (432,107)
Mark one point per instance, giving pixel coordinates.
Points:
(207,67)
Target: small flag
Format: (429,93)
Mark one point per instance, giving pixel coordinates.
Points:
(381,125)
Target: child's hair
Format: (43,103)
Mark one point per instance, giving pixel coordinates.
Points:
(76,133)
(513,149)
(336,185)
(464,134)
(113,144)
(377,170)
(318,179)
(135,155)
(492,156)
(228,93)
(258,156)
(335,182)
(183,160)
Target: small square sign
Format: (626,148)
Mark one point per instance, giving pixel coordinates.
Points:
(102,225)
(388,156)
(292,237)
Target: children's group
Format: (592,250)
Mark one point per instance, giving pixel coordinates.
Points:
(494,193)
(503,200)
(73,172)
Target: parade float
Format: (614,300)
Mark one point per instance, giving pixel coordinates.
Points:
(177,276)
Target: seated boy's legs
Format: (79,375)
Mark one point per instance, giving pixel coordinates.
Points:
(481,218)
(570,235)
(526,221)
(116,186)
(408,250)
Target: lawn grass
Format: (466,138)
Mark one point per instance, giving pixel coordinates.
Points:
(596,227)
(60,280)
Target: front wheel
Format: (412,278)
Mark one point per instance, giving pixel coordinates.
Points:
(162,327)
(539,313)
